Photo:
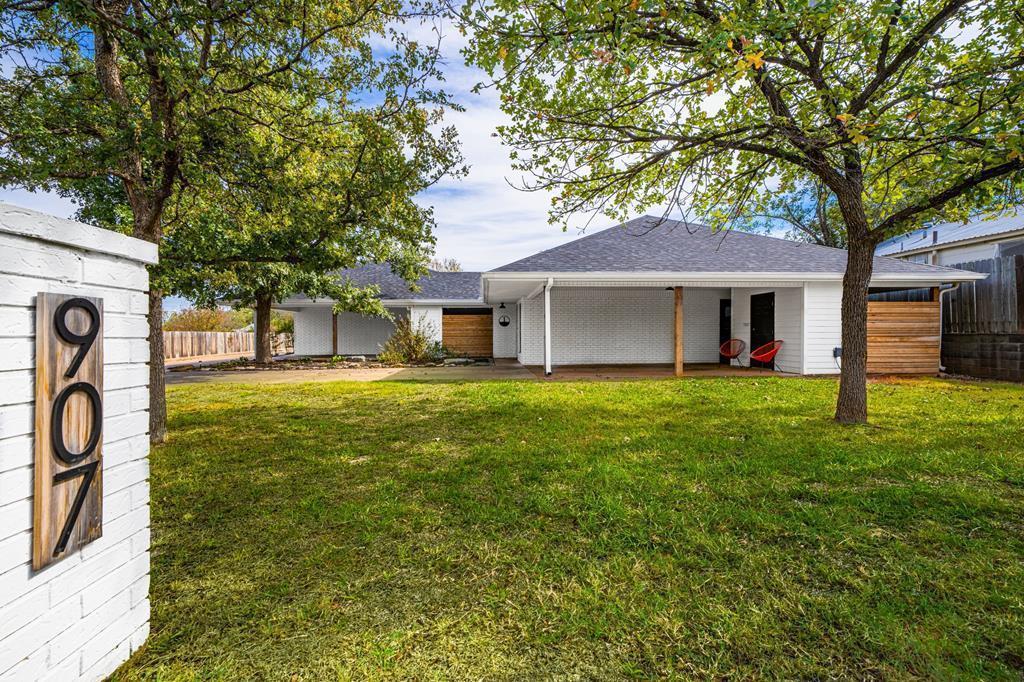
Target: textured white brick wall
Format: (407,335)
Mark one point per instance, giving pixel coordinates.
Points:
(429,317)
(625,325)
(823,326)
(80,617)
(313,331)
(357,334)
(789,324)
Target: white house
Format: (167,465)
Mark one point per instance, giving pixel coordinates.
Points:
(643,292)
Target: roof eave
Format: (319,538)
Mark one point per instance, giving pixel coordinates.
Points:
(938,276)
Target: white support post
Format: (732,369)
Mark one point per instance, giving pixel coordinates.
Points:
(547,328)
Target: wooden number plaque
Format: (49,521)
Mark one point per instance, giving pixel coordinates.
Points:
(68,504)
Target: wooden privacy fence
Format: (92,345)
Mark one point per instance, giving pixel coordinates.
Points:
(192,344)
(990,306)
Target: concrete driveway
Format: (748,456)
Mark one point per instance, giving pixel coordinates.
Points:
(498,371)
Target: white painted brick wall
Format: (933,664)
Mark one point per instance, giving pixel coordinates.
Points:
(789,324)
(430,317)
(625,325)
(313,331)
(357,334)
(81,617)
(364,335)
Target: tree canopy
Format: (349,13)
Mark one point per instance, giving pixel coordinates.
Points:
(128,106)
(624,105)
(904,110)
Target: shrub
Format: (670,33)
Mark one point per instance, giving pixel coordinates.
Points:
(411,344)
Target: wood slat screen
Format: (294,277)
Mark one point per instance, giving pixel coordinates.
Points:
(903,337)
(470,335)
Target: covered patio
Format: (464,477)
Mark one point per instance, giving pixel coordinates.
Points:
(658,371)
(650,325)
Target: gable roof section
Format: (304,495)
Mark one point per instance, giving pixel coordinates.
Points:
(446,286)
(944,234)
(650,244)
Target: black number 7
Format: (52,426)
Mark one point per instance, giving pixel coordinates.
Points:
(89,472)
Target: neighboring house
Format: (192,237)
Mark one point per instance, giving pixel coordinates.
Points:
(980,238)
(621,295)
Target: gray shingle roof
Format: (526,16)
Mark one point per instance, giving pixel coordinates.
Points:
(941,234)
(650,244)
(454,286)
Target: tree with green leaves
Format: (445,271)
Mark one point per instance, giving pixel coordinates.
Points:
(903,110)
(275,219)
(137,102)
(807,213)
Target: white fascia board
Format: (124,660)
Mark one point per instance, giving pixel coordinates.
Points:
(952,276)
(388,302)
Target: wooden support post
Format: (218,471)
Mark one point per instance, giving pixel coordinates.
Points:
(678,326)
(334,333)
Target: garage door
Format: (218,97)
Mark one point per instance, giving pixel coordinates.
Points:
(467,331)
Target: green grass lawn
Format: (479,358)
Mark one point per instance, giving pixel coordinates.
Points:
(524,530)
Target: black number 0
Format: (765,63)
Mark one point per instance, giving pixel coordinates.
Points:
(86,471)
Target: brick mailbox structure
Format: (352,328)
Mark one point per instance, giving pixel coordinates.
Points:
(74,504)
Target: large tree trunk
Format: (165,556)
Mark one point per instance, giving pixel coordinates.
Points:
(852,406)
(264,342)
(157,397)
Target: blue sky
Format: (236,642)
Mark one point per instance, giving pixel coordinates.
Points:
(482,221)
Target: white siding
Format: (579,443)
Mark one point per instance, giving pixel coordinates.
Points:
(823,325)
(79,618)
(505,338)
(607,325)
(789,309)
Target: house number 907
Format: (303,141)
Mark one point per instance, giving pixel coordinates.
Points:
(69,375)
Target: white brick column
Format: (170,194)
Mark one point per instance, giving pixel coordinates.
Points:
(78,618)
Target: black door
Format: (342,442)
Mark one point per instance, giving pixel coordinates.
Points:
(762,323)
(724,326)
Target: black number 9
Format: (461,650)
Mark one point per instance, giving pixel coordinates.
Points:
(83,341)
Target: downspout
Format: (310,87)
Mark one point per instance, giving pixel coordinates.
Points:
(942,368)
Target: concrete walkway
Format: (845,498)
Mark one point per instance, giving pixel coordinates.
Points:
(500,370)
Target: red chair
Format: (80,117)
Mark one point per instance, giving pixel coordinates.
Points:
(732,349)
(767,352)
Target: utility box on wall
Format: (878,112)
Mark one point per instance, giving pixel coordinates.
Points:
(74,447)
